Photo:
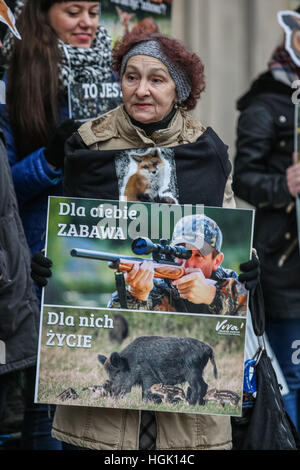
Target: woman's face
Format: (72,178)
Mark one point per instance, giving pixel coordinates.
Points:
(149,92)
(75,23)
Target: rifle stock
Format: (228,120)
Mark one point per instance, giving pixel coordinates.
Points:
(162,270)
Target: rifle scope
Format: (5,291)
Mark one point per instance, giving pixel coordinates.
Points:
(144,246)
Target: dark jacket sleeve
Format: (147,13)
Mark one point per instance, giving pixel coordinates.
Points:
(252,179)
(18,300)
(32,175)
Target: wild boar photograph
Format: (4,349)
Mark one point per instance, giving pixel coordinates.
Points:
(141,360)
(151,360)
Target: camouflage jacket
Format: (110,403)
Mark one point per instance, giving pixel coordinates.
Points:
(230,298)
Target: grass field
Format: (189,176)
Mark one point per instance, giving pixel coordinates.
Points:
(63,367)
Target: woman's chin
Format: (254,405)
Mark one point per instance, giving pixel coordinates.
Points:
(142,116)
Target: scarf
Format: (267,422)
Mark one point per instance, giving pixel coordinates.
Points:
(80,65)
(154,126)
(282,66)
(77,65)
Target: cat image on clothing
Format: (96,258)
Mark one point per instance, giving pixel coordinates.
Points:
(147,175)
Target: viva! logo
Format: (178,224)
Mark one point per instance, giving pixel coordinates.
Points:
(226,328)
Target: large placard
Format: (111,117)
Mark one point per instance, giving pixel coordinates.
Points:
(148,354)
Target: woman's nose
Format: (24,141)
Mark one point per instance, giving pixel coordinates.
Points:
(85,20)
(143,88)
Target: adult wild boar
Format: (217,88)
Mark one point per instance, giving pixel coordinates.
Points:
(150,360)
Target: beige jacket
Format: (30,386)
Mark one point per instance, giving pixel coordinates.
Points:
(110,429)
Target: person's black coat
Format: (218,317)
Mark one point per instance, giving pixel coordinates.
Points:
(265,143)
(19,306)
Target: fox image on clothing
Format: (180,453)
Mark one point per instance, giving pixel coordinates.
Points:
(147,175)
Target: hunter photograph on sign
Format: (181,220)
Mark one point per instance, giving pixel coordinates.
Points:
(144,309)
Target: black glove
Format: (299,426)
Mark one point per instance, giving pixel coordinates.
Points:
(250,273)
(55,150)
(40,269)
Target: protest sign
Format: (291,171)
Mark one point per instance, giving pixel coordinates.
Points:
(161,353)
(289,20)
(89,100)
(121,16)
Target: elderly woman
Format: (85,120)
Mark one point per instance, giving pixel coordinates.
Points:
(161,80)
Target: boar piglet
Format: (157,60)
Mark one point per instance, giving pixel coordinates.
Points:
(150,360)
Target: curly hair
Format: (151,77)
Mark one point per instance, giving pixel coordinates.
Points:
(176,53)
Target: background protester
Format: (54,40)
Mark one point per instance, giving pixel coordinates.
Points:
(267,177)
(38,77)
(161,81)
(62,43)
(19,309)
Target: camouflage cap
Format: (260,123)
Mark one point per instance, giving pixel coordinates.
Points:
(198,231)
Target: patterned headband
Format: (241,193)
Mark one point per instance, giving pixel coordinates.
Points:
(152,48)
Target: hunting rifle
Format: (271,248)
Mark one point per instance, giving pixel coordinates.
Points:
(163,257)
